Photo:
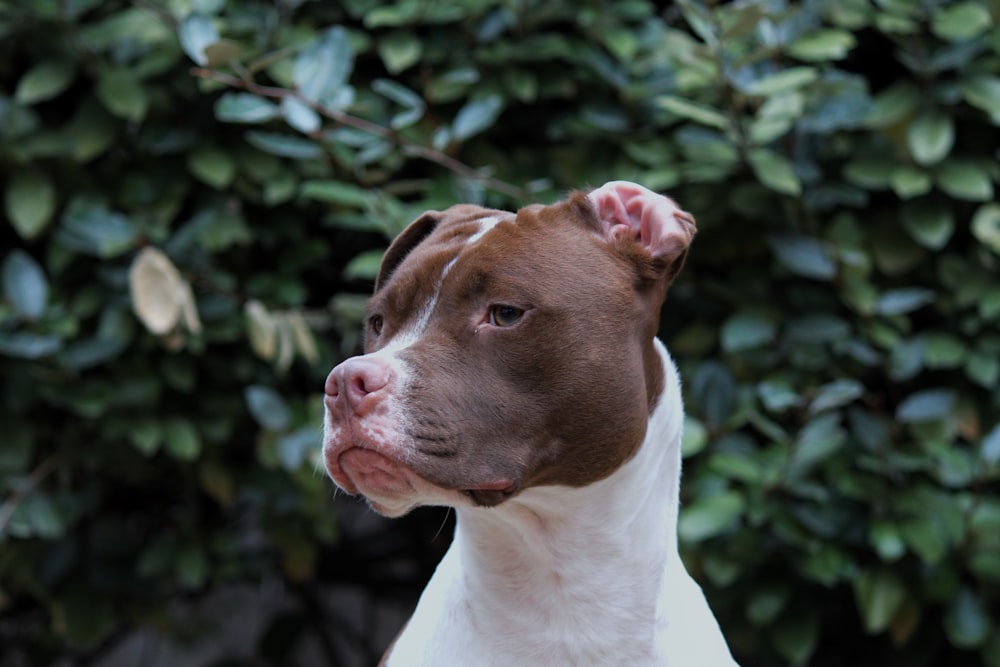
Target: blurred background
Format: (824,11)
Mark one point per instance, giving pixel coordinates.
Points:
(196,194)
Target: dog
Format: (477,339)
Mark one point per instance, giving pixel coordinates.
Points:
(512,372)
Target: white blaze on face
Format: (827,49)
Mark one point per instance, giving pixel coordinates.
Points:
(485,225)
(413,333)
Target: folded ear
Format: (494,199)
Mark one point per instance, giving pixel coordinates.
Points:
(654,222)
(407,240)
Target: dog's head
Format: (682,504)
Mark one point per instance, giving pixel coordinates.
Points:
(505,351)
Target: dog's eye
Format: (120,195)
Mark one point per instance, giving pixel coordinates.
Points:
(375,322)
(505,316)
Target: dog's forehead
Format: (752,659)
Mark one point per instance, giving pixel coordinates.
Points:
(461,229)
(414,287)
(464,225)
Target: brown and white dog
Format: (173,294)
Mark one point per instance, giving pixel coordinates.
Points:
(512,373)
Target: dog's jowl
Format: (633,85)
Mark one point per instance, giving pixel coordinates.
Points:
(512,372)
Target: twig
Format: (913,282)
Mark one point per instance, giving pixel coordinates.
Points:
(37,476)
(409,147)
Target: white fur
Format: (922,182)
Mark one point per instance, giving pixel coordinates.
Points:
(573,576)
(485,225)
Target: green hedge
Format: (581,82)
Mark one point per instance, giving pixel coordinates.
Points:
(197,193)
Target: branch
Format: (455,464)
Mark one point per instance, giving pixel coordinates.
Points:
(409,147)
(37,476)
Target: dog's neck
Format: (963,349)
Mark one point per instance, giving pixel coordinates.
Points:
(587,563)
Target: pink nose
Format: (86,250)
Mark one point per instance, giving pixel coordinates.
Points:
(357,385)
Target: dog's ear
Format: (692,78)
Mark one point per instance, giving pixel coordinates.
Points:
(652,221)
(408,239)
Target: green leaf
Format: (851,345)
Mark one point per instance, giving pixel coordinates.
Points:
(24,284)
(123,94)
(709,516)
(763,606)
(212,165)
(943,350)
(908,181)
(803,256)
(893,105)
(222,52)
(181,440)
(926,405)
(88,226)
(413,103)
(42,516)
(300,115)
(391,15)
(146,436)
(836,394)
(364,267)
(778,395)
(904,300)
(400,51)
(983,91)
(954,468)
(694,437)
(818,328)
(872,172)
(476,116)
(699,113)
(925,538)
(267,407)
(964,180)
(888,543)
(284,145)
(983,368)
(713,389)
(294,448)
(621,42)
(989,304)
(324,67)
(986,226)
(245,108)
(745,331)
(281,188)
(820,439)
(774,171)
(967,620)
(990,653)
(196,33)
(192,567)
(796,636)
(25,345)
(930,137)
(30,202)
(822,45)
(961,21)
(878,595)
(989,449)
(784,81)
(44,81)
(700,19)
(91,132)
(929,224)
(336,192)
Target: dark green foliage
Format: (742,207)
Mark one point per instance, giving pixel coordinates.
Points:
(197,194)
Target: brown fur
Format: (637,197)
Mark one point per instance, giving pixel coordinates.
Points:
(573,285)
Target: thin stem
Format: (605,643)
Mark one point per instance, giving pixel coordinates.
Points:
(37,476)
(409,147)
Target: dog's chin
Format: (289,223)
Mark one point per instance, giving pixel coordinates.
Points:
(387,485)
(391,488)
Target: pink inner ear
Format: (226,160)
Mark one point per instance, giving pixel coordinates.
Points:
(655,221)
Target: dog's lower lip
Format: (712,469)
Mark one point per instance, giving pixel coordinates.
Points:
(504,486)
